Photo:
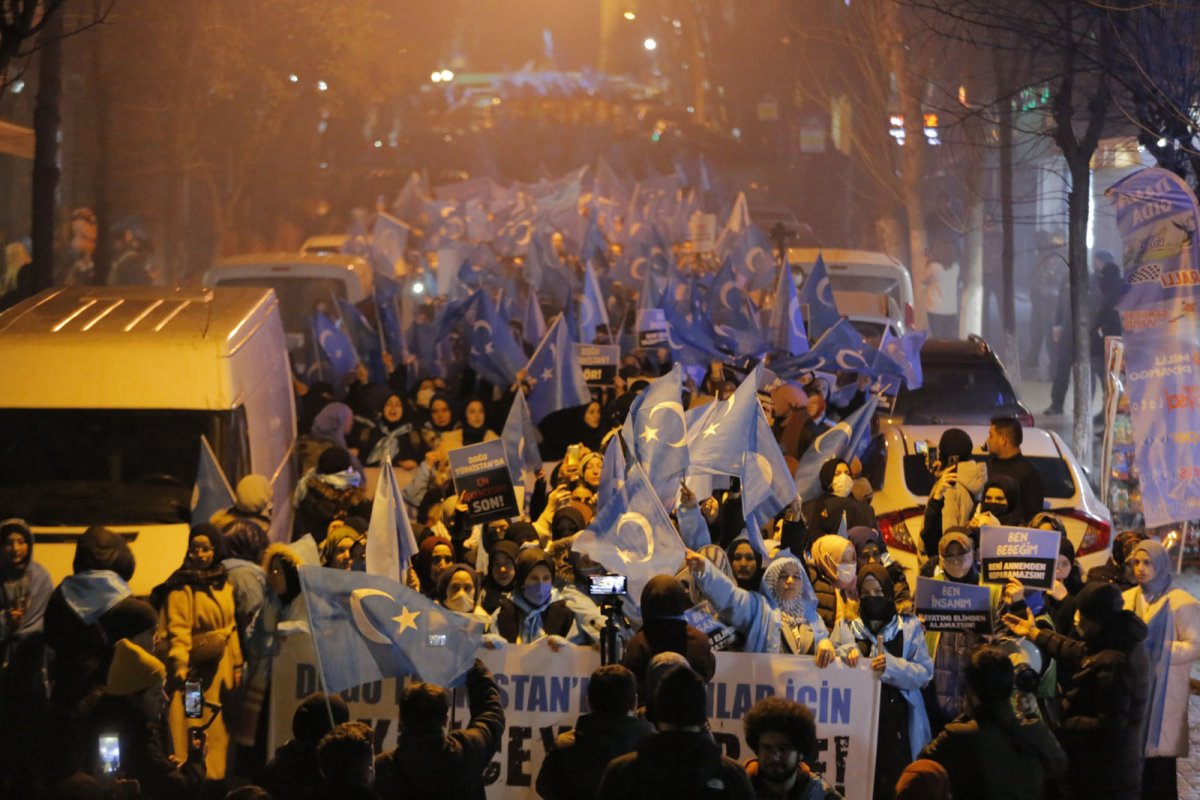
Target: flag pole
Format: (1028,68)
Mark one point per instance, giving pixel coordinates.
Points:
(317,653)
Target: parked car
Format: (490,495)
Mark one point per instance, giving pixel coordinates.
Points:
(872,289)
(964,384)
(895,466)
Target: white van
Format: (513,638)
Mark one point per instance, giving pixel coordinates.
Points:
(873,290)
(107,391)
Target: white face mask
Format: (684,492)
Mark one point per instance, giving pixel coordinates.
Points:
(846,574)
(841,485)
(462,602)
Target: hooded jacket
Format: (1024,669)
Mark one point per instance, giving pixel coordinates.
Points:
(824,514)
(664,629)
(574,765)
(1014,513)
(520,622)
(675,765)
(957,505)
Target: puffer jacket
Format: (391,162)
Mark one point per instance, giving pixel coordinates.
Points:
(574,765)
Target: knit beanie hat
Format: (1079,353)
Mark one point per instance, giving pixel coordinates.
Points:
(954,442)
(133,670)
(333,460)
(1100,602)
(129,618)
(680,698)
(253,494)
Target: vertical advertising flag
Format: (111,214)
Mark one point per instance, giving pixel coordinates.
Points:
(1158,220)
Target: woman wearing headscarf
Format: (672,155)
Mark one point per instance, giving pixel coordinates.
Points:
(896,646)
(746,564)
(1060,600)
(392,437)
(458,590)
(869,548)
(501,574)
(1172,616)
(330,428)
(198,625)
(343,547)
(434,555)
(824,514)
(534,610)
(1001,504)
(665,629)
(780,618)
(832,572)
(474,429)
(586,428)
(1104,713)
(589,471)
(1117,570)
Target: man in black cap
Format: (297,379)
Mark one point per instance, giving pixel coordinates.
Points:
(295,770)
(681,760)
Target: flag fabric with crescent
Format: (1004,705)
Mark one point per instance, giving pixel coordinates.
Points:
(335,344)
(785,327)
(389,239)
(368,627)
(840,349)
(767,485)
(495,354)
(656,433)
(390,540)
(718,441)
(592,311)
(612,472)
(816,298)
(843,440)
(520,439)
(212,492)
(560,383)
(633,535)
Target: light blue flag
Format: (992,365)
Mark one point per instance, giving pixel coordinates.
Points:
(390,541)
(494,353)
(592,311)
(533,321)
(719,440)
(594,247)
(841,349)
(366,340)
(767,485)
(335,344)
(844,440)
(816,299)
(785,326)
(212,492)
(389,240)
(752,259)
(520,439)
(655,431)
(371,627)
(633,534)
(387,295)
(612,472)
(733,316)
(555,367)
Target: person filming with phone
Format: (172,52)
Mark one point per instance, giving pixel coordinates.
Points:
(956,490)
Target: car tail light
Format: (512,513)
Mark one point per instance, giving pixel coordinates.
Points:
(894,529)
(1097,537)
(910,316)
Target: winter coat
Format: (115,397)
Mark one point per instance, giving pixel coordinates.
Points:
(1104,712)
(1179,652)
(556,619)
(80,644)
(809,786)
(824,515)
(946,694)
(696,649)
(439,765)
(318,503)
(908,673)
(293,772)
(756,615)
(997,755)
(573,767)
(829,597)
(146,751)
(958,503)
(675,765)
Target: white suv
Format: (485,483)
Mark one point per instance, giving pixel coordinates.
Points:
(895,465)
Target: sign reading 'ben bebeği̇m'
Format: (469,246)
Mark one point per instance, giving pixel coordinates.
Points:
(1027,554)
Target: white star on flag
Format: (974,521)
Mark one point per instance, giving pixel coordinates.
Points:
(407,619)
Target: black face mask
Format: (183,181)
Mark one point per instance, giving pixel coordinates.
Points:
(877,612)
(996,509)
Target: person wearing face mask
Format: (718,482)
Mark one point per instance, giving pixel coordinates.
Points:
(832,572)
(895,647)
(501,573)
(664,629)
(1001,504)
(1172,616)
(781,618)
(824,514)
(1060,600)
(458,590)
(946,693)
(1104,713)
(534,610)
(870,549)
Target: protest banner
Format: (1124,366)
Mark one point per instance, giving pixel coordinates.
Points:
(651,327)
(1027,554)
(1157,218)
(481,478)
(702,230)
(544,692)
(599,362)
(950,606)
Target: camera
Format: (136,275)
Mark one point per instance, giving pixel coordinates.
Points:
(110,753)
(193,700)
(606,585)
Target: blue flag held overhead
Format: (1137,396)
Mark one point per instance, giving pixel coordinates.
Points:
(366,340)
(335,344)
(612,472)
(555,367)
(841,349)
(816,299)
(389,240)
(390,541)
(212,492)
(656,433)
(372,627)
(520,439)
(843,440)
(633,534)
(785,326)
(494,353)
(592,311)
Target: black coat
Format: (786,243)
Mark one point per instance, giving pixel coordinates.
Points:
(675,765)
(556,619)
(690,643)
(145,751)
(573,767)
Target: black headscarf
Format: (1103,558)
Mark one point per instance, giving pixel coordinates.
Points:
(100,548)
(1012,515)
(210,577)
(752,584)
(470,433)
(453,425)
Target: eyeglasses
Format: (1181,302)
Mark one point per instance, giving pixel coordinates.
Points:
(957,560)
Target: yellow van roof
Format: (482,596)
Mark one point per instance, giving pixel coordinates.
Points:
(128,347)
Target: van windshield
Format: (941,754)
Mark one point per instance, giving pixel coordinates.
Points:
(298,296)
(66,467)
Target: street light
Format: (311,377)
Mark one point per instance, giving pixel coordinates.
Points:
(629,15)
(435,76)
(650,44)
(447,76)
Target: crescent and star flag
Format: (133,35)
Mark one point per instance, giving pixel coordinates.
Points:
(592,311)
(841,349)
(816,298)
(495,354)
(656,433)
(633,534)
(368,627)
(612,471)
(366,340)
(335,344)
(752,258)
(521,443)
(785,325)
(212,492)
(841,441)
(555,367)
(390,541)
(767,485)
(389,240)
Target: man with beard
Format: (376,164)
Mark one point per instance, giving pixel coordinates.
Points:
(783,735)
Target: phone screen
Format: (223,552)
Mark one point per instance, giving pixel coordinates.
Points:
(193,701)
(110,753)
(607,584)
